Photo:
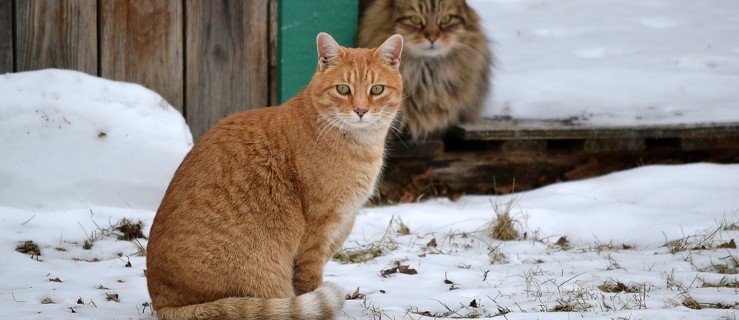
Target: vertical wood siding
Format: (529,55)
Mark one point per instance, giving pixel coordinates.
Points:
(141,41)
(6,36)
(226,59)
(56,34)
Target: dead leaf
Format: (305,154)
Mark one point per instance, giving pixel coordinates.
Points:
(102,288)
(398,269)
(403,230)
(406,198)
(432,243)
(55,279)
(47,301)
(355,295)
(112,297)
(563,243)
(473,303)
(387,272)
(728,245)
(407,270)
(446,280)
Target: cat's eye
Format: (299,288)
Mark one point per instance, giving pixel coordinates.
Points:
(343,89)
(446,19)
(377,89)
(416,20)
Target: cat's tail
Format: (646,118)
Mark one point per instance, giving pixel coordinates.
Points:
(323,303)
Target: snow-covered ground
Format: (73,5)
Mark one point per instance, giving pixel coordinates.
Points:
(79,154)
(614,62)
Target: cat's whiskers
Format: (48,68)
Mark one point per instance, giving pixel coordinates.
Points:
(388,119)
(338,133)
(326,125)
(330,120)
(390,122)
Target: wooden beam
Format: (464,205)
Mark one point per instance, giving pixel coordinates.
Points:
(227,59)
(141,41)
(504,129)
(56,34)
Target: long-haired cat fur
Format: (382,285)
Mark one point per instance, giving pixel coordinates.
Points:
(266,197)
(446,61)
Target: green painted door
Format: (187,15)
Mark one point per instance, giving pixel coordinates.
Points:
(299,22)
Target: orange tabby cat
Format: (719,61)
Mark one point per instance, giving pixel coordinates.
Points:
(266,197)
(446,61)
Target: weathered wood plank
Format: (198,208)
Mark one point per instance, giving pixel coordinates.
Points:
(56,34)
(426,149)
(6,36)
(478,169)
(497,129)
(141,41)
(227,61)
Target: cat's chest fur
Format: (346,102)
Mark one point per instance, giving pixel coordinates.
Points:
(349,180)
(346,180)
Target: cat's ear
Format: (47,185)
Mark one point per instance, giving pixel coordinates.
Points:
(328,50)
(391,49)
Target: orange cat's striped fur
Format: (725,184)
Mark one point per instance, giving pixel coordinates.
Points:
(446,61)
(266,197)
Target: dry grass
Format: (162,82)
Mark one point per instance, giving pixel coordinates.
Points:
(704,240)
(29,248)
(725,282)
(358,254)
(367,252)
(689,302)
(617,286)
(504,227)
(129,230)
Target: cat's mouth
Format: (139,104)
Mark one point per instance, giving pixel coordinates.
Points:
(359,123)
(429,49)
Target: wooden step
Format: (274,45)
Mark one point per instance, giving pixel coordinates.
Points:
(508,129)
(503,155)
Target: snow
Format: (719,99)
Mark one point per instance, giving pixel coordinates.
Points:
(78,154)
(68,134)
(614,62)
(65,184)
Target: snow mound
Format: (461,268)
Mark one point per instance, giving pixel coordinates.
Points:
(71,140)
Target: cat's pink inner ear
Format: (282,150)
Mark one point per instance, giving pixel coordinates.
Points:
(328,50)
(391,50)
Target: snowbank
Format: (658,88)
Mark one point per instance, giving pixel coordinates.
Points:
(70,140)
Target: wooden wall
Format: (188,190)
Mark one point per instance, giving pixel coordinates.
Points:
(207,58)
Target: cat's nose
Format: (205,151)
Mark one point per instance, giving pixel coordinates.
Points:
(432,38)
(360,111)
